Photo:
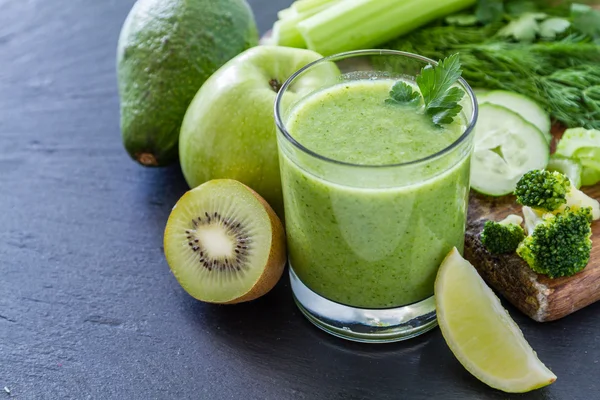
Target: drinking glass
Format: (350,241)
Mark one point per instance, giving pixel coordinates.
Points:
(365,241)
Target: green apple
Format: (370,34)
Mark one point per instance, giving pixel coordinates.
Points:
(229,128)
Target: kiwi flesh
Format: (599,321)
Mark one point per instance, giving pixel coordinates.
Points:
(224,243)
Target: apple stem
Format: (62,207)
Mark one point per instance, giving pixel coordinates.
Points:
(275,85)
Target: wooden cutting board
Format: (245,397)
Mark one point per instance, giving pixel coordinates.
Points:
(540,297)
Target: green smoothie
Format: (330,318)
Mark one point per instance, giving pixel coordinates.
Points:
(373,246)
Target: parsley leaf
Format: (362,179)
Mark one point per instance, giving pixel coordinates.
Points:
(462,19)
(489,11)
(433,81)
(552,27)
(518,7)
(523,29)
(403,93)
(440,98)
(586,20)
(443,109)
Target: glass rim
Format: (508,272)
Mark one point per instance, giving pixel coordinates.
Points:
(348,54)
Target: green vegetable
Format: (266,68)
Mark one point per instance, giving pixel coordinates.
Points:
(571,168)
(302,6)
(505,147)
(359,24)
(440,98)
(543,189)
(559,245)
(552,191)
(522,105)
(547,52)
(285,13)
(574,92)
(285,31)
(589,176)
(583,146)
(503,237)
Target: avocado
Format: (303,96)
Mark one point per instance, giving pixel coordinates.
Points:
(166,50)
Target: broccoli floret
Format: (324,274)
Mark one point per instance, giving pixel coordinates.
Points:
(543,189)
(504,236)
(552,191)
(560,244)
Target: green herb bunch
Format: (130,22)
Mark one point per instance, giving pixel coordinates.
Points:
(550,54)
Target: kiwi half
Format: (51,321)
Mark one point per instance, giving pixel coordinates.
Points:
(224,243)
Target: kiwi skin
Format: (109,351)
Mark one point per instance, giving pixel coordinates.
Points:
(276,261)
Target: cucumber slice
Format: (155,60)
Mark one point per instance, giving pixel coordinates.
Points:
(505,147)
(571,168)
(522,105)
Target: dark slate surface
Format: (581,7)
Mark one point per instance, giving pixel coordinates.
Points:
(88,307)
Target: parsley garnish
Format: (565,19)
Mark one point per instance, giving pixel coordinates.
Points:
(403,93)
(440,98)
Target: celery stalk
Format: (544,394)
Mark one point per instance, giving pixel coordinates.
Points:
(286,33)
(285,13)
(302,6)
(359,24)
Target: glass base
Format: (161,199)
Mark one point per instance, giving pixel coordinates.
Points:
(361,324)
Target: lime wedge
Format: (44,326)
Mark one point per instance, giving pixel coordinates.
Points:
(481,333)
